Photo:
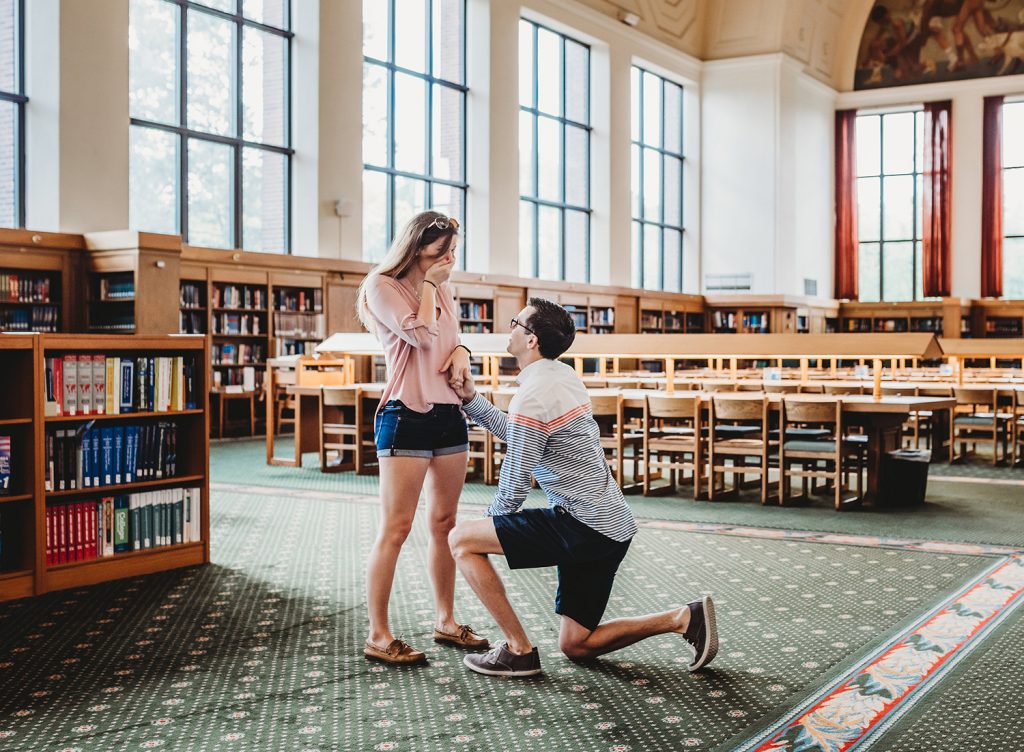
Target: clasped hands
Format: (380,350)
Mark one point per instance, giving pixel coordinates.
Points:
(460,377)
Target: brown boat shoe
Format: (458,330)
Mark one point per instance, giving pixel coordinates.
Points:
(397,652)
(465,637)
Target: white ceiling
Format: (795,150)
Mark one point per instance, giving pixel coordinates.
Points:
(822,34)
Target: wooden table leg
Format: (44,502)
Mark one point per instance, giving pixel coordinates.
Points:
(252,414)
(220,403)
(883,432)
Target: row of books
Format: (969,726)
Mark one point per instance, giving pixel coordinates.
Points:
(475,328)
(238,377)
(192,322)
(474,310)
(299,325)
(238,354)
(23,288)
(191,295)
(120,287)
(239,296)
(42,318)
(237,323)
(91,456)
(602,316)
(96,384)
(114,524)
(298,300)
(296,347)
(5,465)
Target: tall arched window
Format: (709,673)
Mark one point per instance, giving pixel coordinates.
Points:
(890,159)
(554,154)
(657,181)
(1013,200)
(414,115)
(209,99)
(12,114)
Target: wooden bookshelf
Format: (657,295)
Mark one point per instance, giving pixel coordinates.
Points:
(50,261)
(998,318)
(946,317)
(240,331)
(23,414)
(193,308)
(298,320)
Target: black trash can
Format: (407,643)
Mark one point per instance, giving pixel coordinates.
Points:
(904,480)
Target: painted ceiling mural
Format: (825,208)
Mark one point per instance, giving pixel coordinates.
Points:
(924,41)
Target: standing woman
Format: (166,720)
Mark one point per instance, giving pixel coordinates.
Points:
(420,429)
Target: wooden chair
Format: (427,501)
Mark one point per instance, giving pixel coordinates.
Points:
(284,402)
(501,399)
(672,441)
(828,457)
(715,387)
(1018,428)
(607,410)
(781,387)
(977,419)
(812,389)
(478,460)
(748,386)
(843,389)
(738,430)
(344,430)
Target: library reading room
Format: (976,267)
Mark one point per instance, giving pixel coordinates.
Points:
(511,375)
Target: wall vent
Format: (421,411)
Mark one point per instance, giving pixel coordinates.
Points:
(810,287)
(727,282)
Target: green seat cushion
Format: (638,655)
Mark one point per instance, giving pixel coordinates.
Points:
(824,447)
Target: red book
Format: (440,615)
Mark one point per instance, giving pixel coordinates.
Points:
(60,516)
(49,536)
(79,532)
(58,384)
(92,529)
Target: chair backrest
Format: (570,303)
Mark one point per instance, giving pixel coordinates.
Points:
(935,391)
(671,406)
(774,387)
(811,411)
(625,384)
(605,404)
(739,409)
(341,396)
(748,386)
(812,389)
(592,383)
(502,398)
(718,386)
(899,390)
(975,396)
(843,389)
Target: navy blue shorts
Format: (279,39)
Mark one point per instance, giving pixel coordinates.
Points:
(402,432)
(587,560)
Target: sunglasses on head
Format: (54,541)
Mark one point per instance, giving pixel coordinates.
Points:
(443,223)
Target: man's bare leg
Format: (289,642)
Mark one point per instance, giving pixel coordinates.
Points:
(580,643)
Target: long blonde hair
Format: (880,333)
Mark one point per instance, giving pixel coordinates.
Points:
(414,235)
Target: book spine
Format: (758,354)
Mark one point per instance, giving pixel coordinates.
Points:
(85,442)
(118,456)
(70,385)
(5,465)
(107,458)
(127,381)
(58,384)
(109,385)
(99,384)
(122,527)
(84,380)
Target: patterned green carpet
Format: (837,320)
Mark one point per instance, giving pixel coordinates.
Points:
(261,649)
(968,511)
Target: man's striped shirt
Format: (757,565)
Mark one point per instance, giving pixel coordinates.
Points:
(550,433)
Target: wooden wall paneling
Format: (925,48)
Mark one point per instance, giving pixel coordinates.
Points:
(157,286)
(508,302)
(626,314)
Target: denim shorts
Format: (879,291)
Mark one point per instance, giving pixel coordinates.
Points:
(402,432)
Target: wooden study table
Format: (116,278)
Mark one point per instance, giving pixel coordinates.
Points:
(307,421)
(882,420)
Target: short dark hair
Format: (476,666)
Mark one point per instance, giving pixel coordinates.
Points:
(553,327)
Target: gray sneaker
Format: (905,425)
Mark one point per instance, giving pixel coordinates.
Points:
(500,661)
(702,634)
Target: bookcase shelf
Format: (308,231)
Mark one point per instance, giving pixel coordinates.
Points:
(122,488)
(30,300)
(121,416)
(28,567)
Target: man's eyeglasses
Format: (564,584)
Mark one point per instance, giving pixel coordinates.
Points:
(516,322)
(443,223)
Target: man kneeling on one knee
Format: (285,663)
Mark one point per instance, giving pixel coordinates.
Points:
(586,529)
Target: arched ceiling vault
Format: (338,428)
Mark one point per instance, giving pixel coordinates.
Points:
(822,34)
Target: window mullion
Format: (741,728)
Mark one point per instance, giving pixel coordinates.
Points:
(183,141)
(238,241)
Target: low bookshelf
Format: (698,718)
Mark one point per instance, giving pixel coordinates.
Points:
(240,333)
(109,458)
(193,312)
(30,301)
(298,319)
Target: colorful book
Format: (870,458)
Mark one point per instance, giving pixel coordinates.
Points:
(5,465)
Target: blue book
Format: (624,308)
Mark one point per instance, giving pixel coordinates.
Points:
(86,440)
(131,453)
(107,455)
(150,380)
(94,460)
(127,381)
(122,541)
(119,454)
